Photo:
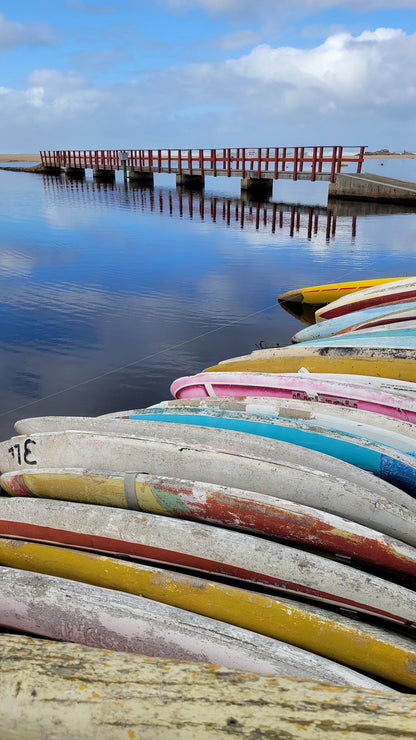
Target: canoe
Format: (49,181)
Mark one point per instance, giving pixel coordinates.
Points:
(63,609)
(223,506)
(362,647)
(384,396)
(401,339)
(390,328)
(389,294)
(215,456)
(398,364)
(247,559)
(113,695)
(365,318)
(375,426)
(394,320)
(382,429)
(387,463)
(331,291)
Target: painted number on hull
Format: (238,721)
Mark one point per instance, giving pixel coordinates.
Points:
(23,452)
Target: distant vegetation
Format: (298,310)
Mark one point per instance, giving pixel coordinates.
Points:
(387,152)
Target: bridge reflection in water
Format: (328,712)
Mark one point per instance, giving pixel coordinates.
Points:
(267,216)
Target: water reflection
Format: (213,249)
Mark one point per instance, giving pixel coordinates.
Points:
(109,293)
(305,312)
(195,205)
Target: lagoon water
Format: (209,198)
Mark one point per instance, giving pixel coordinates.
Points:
(109,293)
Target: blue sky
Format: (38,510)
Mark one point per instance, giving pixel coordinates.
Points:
(207,73)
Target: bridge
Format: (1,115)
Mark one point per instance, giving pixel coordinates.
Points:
(256,167)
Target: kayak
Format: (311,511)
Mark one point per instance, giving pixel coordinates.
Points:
(396,363)
(377,395)
(368,317)
(331,291)
(388,294)
(374,650)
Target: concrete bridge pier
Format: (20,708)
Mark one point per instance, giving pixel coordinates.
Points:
(77,172)
(51,170)
(104,175)
(192,182)
(370,187)
(257,186)
(141,178)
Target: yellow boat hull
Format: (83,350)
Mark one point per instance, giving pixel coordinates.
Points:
(381,363)
(317,294)
(364,648)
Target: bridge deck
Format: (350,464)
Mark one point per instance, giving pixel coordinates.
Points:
(268,163)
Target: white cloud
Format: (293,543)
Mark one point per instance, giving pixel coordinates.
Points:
(61,94)
(351,90)
(13,34)
(375,68)
(274,8)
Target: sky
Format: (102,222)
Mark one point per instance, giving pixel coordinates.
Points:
(131,74)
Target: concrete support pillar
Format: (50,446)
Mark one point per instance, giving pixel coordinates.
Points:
(141,178)
(368,187)
(75,171)
(192,182)
(50,170)
(257,186)
(107,175)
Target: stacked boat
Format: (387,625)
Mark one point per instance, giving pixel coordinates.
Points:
(264,518)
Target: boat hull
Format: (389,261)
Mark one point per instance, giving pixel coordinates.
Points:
(389,397)
(217,456)
(223,506)
(398,364)
(389,294)
(207,549)
(331,291)
(369,317)
(359,646)
(63,609)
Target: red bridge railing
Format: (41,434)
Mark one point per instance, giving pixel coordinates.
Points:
(315,162)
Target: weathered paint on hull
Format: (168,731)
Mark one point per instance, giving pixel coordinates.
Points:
(381,428)
(390,339)
(63,609)
(397,402)
(229,507)
(385,326)
(331,291)
(347,322)
(389,294)
(215,456)
(52,689)
(207,549)
(335,417)
(399,364)
(362,647)
(387,463)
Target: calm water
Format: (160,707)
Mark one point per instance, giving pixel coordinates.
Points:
(108,295)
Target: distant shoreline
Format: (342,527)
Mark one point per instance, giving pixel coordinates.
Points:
(19,158)
(389,156)
(12,158)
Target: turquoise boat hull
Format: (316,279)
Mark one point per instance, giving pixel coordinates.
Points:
(387,463)
(329,327)
(403,339)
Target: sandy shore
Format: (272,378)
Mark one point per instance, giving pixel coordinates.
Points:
(20,157)
(36,157)
(389,156)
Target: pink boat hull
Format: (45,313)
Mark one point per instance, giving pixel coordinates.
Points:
(298,386)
